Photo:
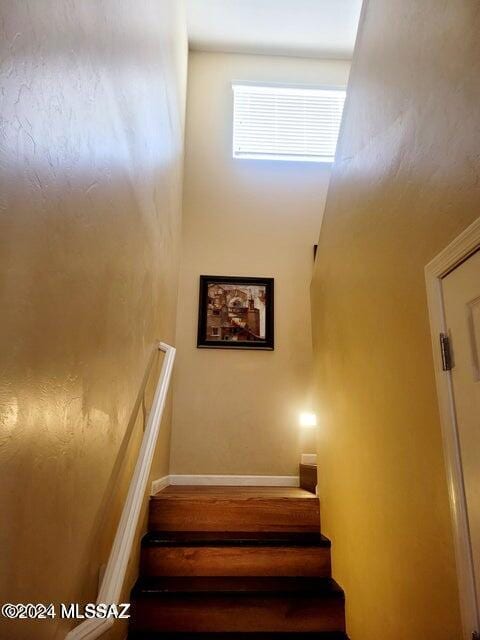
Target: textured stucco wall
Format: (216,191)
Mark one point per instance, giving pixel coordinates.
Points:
(91,138)
(406,182)
(236,412)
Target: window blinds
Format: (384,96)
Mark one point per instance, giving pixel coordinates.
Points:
(284,123)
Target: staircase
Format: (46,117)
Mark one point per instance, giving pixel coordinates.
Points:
(236,562)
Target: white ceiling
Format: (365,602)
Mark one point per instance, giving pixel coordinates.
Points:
(311,28)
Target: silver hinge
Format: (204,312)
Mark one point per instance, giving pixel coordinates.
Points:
(446,352)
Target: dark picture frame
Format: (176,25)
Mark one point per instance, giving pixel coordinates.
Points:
(236,312)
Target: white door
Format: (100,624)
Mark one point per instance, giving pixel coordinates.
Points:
(461,294)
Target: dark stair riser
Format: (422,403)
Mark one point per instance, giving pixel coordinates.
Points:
(139,635)
(237,538)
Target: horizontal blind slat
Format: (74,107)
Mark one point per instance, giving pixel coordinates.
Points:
(274,122)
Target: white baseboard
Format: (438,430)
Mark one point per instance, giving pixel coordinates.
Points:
(234,481)
(226,481)
(158,485)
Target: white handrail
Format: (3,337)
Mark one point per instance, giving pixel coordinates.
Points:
(114,577)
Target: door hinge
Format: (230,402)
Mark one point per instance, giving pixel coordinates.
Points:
(446,352)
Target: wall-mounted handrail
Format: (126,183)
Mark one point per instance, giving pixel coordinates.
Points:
(114,576)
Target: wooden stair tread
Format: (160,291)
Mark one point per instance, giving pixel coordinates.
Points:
(182,492)
(234,538)
(325,587)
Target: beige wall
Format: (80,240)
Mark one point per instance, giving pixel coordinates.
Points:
(405,184)
(92,104)
(235,412)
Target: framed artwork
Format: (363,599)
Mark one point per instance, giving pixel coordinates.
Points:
(235,313)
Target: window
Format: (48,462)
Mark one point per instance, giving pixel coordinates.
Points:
(286,123)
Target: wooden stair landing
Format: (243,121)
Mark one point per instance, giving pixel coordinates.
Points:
(236,563)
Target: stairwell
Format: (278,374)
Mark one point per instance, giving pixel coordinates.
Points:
(236,562)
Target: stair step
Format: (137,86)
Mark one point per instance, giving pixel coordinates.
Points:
(269,509)
(247,604)
(235,554)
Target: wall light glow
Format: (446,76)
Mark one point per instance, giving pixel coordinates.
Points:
(307,419)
